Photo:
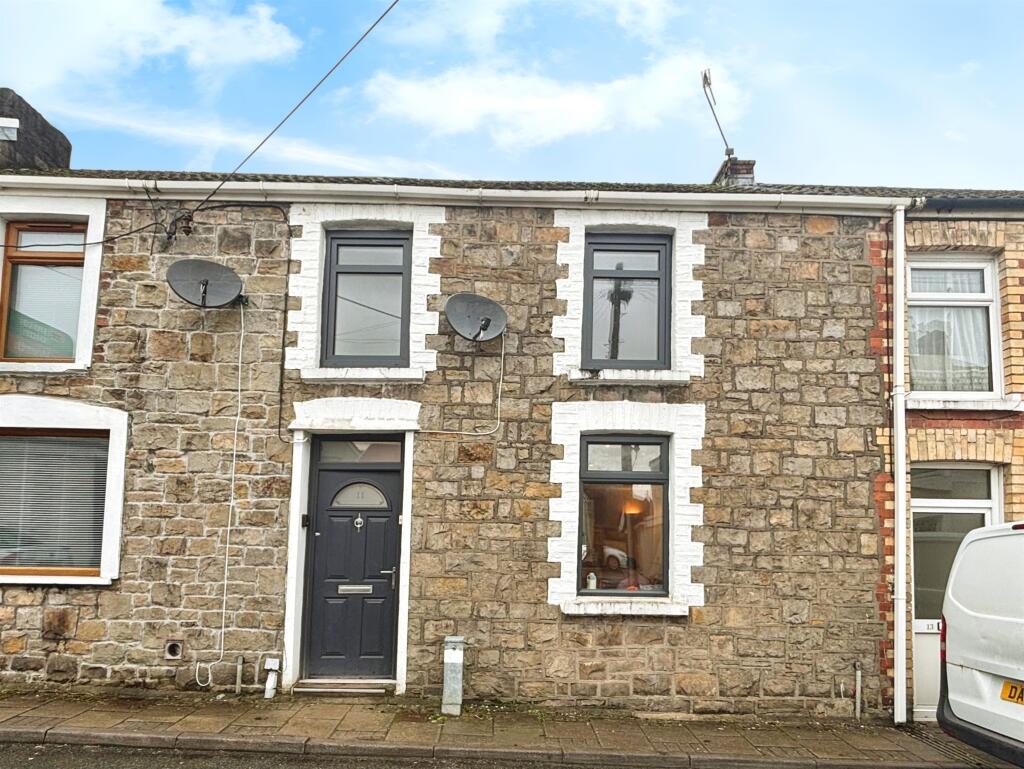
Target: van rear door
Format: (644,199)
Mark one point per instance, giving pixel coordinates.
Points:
(984,614)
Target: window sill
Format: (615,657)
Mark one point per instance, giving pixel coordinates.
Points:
(630,375)
(51,579)
(660,606)
(963,403)
(42,367)
(375,374)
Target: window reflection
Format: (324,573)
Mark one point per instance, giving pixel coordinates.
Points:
(623,537)
(625,319)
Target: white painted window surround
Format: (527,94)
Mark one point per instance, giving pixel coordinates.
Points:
(308,251)
(92,211)
(684,325)
(684,424)
(46,413)
(337,416)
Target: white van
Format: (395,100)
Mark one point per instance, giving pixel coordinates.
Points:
(981,699)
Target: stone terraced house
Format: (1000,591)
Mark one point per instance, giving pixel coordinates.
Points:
(691,475)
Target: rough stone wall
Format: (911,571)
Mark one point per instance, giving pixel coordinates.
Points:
(173,368)
(792,553)
(794,398)
(793,395)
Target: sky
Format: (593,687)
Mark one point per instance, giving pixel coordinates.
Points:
(875,92)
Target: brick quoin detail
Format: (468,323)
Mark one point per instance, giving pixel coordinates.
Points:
(879,248)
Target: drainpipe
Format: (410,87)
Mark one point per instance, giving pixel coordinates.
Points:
(899,466)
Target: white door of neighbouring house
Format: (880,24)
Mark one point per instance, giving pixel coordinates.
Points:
(946,502)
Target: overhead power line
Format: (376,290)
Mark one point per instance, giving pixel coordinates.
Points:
(295,109)
(184,216)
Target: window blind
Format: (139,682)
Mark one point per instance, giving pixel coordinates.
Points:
(52,490)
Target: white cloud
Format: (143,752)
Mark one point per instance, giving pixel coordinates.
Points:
(52,44)
(647,20)
(521,109)
(475,24)
(207,137)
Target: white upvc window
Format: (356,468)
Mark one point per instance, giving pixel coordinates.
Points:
(954,338)
(62,469)
(947,501)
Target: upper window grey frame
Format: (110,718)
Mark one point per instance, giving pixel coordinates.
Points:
(659,477)
(332,270)
(615,241)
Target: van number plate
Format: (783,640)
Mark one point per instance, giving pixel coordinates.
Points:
(1012,692)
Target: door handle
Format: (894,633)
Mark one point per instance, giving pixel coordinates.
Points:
(392,573)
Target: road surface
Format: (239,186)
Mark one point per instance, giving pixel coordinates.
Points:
(24,756)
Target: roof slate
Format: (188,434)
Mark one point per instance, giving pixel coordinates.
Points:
(768,189)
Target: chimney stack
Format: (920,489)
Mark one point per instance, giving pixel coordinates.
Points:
(735,173)
(27,140)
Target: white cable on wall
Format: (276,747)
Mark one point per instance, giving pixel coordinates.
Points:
(231,512)
(497,424)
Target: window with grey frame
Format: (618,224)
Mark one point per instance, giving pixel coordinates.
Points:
(627,300)
(623,515)
(366,299)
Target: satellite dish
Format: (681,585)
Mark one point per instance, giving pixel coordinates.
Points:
(204,283)
(475,317)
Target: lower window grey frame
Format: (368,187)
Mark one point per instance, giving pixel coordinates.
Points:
(599,241)
(660,478)
(335,238)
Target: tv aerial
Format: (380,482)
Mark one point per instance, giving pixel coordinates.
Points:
(705,79)
(204,283)
(475,317)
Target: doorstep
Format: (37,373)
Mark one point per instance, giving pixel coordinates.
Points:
(345,687)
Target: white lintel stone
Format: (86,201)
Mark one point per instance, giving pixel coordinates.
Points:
(374,415)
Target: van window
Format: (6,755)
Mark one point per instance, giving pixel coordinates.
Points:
(983,580)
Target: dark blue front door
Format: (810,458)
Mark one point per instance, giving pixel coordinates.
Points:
(353,574)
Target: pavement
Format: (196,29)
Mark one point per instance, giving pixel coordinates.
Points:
(317,726)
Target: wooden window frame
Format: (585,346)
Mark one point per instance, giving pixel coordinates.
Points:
(53,571)
(13,255)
